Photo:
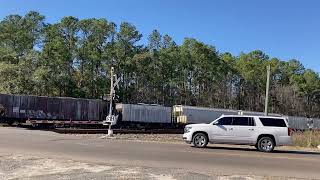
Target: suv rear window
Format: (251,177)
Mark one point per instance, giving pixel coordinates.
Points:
(275,122)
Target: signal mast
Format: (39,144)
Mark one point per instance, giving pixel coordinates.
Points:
(111,119)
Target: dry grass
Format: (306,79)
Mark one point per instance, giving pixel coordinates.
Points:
(3,125)
(306,139)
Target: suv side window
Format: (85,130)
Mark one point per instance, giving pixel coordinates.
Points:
(243,121)
(240,121)
(225,121)
(275,122)
(251,121)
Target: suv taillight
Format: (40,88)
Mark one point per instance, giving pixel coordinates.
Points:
(290,131)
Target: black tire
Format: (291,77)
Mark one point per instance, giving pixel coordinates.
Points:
(265,144)
(200,140)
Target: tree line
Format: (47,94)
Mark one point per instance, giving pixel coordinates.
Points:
(73,58)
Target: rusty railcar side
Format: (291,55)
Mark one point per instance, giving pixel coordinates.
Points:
(52,108)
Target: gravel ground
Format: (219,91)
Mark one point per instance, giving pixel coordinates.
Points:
(24,167)
(162,138)
(177,139)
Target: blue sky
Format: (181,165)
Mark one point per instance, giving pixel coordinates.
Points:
(285,29)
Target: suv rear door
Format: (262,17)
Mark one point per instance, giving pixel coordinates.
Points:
(243,130)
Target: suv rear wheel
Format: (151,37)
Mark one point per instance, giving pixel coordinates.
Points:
(265,144)
(200,140)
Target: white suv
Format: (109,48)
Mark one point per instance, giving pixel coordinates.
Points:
(264,132)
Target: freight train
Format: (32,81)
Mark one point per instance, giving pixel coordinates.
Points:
(65,112)
(51,110)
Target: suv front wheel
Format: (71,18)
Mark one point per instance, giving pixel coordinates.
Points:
(265,144)
(200,140)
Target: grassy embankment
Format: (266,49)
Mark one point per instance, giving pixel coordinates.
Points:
(306,139)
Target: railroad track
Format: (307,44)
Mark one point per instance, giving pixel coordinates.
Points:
(117,131)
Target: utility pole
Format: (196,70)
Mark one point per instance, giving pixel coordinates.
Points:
(267,92)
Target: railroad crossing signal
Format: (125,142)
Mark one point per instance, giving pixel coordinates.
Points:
(112,119)
(116,83)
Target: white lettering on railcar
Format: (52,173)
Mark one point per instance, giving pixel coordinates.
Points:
(15,109)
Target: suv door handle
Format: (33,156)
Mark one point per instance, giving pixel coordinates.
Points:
(230,128)
(250,129)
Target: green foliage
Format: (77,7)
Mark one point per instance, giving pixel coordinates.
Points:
(73,58)
(19,39)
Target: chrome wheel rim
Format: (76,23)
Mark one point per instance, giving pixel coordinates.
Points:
(199,140)
(266,144)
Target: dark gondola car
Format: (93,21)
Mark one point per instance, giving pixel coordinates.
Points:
(19,108)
